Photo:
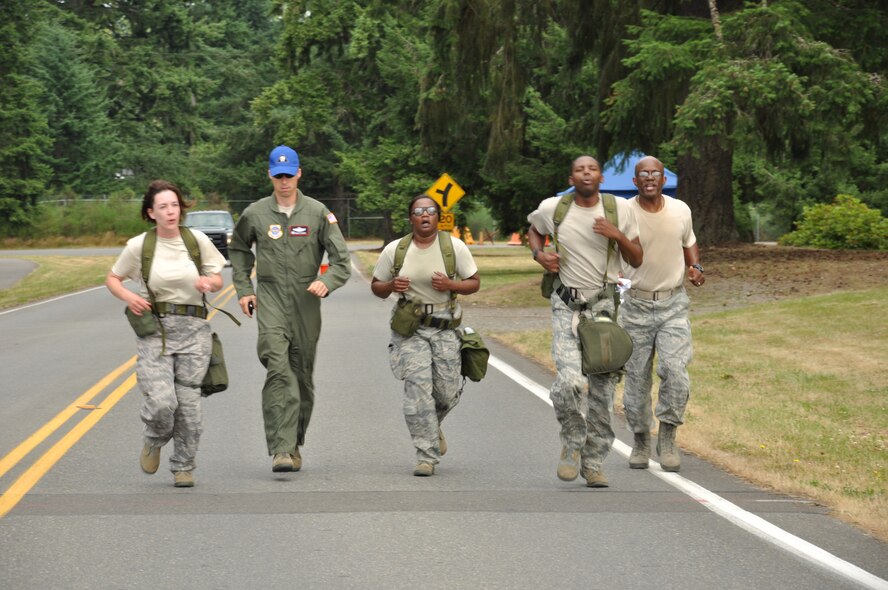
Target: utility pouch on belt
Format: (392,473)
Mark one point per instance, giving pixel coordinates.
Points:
(604,345)
(547,285)
(143,325)
(407,317)
(473,353)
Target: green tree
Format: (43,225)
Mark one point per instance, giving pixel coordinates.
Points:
(765,90)
(348,102)
(24,134)
(84,151)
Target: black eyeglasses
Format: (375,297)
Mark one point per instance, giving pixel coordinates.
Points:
(283,175)
(432,210)
(644,175)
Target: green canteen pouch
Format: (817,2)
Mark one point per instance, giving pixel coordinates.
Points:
(143,325)
(474,355)
(407,317)
(604,345)
(547,285)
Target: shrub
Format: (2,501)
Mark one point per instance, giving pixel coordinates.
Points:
(846,223)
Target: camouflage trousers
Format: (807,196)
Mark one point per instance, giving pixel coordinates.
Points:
(583,403)
(429,364)
(170,384)
(660,327)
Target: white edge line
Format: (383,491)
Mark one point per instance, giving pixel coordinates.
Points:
(20,308)
(727,510)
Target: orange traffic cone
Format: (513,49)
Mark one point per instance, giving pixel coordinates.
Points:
(515,240)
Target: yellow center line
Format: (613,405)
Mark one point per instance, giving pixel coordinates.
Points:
(10,460)
(29,478)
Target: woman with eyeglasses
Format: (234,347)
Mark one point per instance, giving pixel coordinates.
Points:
(428,359)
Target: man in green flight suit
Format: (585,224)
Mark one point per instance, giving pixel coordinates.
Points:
(291,233)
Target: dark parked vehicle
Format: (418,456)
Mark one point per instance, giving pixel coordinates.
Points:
(218,225)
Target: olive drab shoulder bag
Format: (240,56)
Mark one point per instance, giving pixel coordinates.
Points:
(605,346)
(409,315)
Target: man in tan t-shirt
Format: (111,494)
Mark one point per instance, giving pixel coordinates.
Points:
(655,314)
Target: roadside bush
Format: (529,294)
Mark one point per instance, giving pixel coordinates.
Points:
(844,224)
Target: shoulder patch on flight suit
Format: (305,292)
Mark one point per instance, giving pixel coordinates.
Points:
(299,230)
(331,218)
(275,231)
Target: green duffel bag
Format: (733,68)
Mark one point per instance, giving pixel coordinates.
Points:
(605,346)
(474,354)
(407,316)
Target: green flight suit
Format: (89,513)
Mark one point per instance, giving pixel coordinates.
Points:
(288,256)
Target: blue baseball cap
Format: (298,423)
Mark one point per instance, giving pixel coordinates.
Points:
(283,160)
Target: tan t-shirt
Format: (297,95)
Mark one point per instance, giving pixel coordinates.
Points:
(173,273)
(663,235)
(583,252)
(419,266)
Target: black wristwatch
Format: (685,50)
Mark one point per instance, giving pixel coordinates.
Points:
(536,251)
(698,267)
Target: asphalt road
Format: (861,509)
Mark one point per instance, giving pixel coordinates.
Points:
(79,513)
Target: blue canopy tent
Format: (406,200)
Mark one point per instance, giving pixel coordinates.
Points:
(618,173)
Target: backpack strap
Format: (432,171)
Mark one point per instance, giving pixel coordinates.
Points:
(149,245)
(194,253)
(559,215)
(610,213)
(192,246)
(445,242)
(400,253)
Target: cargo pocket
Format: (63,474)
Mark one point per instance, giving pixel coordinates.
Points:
(395,361)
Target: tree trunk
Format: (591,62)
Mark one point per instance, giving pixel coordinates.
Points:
(716,20)
(705,185)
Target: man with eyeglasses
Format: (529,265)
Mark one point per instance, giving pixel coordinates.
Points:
(655,313)
(427,358)
(587,276)
(291,233)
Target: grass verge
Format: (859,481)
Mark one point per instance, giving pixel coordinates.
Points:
(56,275)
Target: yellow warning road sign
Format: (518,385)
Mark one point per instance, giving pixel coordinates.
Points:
(446,221)
(445,192)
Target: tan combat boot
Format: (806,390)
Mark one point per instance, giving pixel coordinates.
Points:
(183,479)
(424,469)
(641,452)
(149,460)
(666,449)
(297,460)
(569,465)
(595,478)
(442,442)
(282,463)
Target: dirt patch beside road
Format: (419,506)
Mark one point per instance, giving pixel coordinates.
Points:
(746,274)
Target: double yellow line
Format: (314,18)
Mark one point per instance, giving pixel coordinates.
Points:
(14,494)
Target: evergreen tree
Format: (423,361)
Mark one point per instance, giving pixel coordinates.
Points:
(84,151)
(24,134)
